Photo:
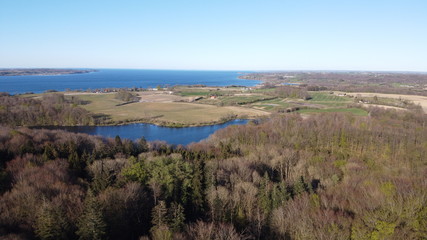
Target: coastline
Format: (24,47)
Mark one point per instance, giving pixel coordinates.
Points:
(38,82)
(13,72)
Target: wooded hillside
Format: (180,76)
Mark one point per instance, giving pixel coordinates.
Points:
(331,176)
(50,110)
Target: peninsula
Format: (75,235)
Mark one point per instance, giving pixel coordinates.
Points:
(41,71)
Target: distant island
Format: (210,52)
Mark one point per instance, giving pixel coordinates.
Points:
(41,71)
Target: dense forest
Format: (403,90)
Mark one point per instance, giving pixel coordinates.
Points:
(49,110)
(329,176)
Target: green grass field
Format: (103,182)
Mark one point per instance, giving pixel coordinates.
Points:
(206,91)
(242,99)
(329,100)
(263,90)
(271,105)
(326,97)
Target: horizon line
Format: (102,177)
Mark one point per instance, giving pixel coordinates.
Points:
(225,70)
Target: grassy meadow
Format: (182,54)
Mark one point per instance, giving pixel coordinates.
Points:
(164,113)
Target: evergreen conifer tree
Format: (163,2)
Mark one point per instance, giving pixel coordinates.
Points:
(91,224)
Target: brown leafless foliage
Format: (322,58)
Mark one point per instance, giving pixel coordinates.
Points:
(211,231)
(37,184)
(53,109)
(329,176)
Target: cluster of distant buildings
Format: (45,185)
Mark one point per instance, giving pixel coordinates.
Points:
(113,90)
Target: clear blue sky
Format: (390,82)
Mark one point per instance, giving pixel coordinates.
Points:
(218,34)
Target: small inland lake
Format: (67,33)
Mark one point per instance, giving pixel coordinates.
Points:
(150,132)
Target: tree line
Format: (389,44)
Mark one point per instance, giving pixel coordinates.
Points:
(51,109)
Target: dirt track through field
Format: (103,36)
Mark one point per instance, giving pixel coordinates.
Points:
(421,100)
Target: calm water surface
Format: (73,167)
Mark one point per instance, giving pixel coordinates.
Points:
(118,78)
(152,132)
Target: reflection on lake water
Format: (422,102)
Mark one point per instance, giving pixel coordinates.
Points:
(152,132)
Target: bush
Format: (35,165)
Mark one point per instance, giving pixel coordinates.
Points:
(125,96)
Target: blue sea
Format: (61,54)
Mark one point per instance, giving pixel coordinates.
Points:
(120,78)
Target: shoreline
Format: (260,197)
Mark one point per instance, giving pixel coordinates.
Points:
(105,80)
(16,72)
(159,124)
